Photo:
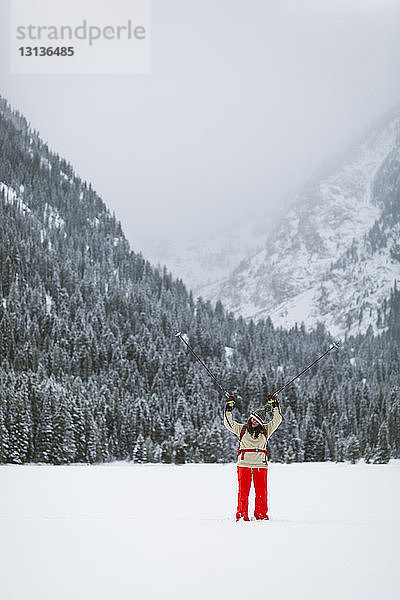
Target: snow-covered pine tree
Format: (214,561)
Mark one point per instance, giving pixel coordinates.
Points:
(352,449)
(382,453)
(4,437)
(179,443)
(139,452)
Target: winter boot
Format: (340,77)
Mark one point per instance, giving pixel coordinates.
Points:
(244,517)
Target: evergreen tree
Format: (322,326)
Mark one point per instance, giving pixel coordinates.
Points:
(368,454)
(139,453)
(166,451)
(4,437)
(213,444)
(179,444)
(382,453)
(352,449)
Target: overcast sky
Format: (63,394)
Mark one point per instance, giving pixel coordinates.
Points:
(245,98)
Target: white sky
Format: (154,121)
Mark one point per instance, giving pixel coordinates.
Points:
(245,99)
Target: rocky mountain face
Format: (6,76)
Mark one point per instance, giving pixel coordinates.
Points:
(335,255)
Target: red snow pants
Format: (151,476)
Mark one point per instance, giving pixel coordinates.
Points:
(245,475)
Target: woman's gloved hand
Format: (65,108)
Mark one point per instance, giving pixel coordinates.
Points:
(273,400)
(230,403)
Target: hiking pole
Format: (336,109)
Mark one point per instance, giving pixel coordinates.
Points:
(226,394)
(331,347)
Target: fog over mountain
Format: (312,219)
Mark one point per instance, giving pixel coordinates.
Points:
(243,102)
(333,257)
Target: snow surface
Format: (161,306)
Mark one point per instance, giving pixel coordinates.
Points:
(124,531)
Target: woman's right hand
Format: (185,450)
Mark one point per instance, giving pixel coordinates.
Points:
(230,403)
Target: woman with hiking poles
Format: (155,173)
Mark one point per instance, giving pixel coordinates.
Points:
(252,463)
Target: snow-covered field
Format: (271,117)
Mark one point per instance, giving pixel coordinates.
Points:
(123,531)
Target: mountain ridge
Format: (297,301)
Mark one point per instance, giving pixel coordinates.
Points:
(292,278)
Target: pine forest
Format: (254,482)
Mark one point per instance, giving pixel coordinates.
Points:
(91,370)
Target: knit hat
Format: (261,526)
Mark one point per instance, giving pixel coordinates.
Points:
(260,414)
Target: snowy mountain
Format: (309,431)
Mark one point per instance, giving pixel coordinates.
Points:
(90,369)
(335,255)
(204,263)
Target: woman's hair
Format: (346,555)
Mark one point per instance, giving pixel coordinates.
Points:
(254,431)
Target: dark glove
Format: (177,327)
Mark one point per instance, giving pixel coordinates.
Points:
(273,400)
(230,403)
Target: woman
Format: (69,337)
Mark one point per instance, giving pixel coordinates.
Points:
(252,457)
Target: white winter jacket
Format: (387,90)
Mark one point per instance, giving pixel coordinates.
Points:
(257,457)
